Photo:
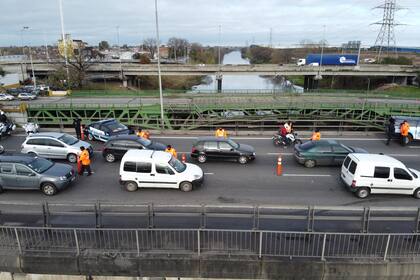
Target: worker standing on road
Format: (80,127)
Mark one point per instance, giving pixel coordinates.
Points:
(390,131)
(77,127)
(171,150)
(404,129)
(85,160)
(316,135)
(143,133)
(221,132)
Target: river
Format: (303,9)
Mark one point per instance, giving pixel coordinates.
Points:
(243,82)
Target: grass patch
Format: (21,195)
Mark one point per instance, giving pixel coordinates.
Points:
(123,93)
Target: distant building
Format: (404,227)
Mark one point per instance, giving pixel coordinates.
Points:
(164,52)
(351,45)
(73,47)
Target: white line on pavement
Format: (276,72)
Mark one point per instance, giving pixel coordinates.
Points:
(307,175)
(277,154)
(403,155)
(414,147)
(269,138)
(208,173)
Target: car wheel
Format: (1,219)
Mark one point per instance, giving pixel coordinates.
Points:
(202,158)
(72,158)
(310,163)
(131,186)
(90,137)
(185,186)
(109,157)
(417,193)
(362,192)
(242,159)
(49,189)
(32,154)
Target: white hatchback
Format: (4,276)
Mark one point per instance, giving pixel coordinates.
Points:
(366,174)
(157,169)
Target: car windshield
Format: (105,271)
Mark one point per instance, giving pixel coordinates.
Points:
(177,165)
(347,148)
(68,139)
(307,145)
(233,144)
(412,173)
(115,126)
(40,165)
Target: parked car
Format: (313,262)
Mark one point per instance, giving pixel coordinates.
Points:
(15,91)
(6,97)
(26,96)
(55,146)
(117,146)
(323,152)
(103,130)
(366,174)
(157,169)
(221,148)
(24,172)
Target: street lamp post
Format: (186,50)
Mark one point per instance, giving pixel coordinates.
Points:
(23,53)
(159,70)
(319,77)
(119,53)
(30,57)
(63,38)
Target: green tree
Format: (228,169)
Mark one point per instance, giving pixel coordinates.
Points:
(103,45)
(177,47)
(401,60)
(150,45)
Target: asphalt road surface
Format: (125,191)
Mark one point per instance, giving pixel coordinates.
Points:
(230,182)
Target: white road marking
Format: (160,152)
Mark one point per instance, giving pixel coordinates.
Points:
(307,175)
(269,138)
(208,173)
(277,154)
(403,155)
(414,147)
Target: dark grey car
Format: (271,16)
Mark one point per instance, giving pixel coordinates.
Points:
(24,172)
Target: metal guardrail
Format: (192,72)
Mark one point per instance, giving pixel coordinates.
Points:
(203,242)
(300,218)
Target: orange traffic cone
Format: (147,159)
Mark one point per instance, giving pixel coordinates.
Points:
(82,133)
(279,166)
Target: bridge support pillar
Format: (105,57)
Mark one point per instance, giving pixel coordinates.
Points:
(310,83)
(219,79)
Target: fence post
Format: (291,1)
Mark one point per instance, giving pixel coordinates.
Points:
(260,246)
(61,125)
(46,212)
(77,242)
(417,225)
(198,242)
(137,242)
(387,246)
(18,241)
(98,215)
(323,247)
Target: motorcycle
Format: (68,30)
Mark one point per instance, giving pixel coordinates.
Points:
(6,128)
(31,128)
(289,140)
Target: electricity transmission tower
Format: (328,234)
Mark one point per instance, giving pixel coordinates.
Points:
(386,36)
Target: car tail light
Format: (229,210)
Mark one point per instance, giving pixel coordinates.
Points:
(193,150)
(353,183)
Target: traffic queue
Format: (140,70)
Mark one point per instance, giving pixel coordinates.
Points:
(146,163)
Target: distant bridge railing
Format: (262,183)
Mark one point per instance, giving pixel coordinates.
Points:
(205,242)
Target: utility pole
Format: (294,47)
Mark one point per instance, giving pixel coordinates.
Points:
(46,47)
(220,42)
(119,52)
(63,38)
(271,38)
(30,57)
(386,34)
(159,70)
(319,77)
(23,54)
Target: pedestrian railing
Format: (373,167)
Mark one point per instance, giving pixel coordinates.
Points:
(204,242)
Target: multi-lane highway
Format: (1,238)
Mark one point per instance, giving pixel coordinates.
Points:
(230,182)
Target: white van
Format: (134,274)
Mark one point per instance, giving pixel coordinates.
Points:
(157,169)
(366,174)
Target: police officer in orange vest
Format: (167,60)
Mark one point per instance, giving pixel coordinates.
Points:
(171,150)
(85,160)
(221,132)
(316,136)
(404,129)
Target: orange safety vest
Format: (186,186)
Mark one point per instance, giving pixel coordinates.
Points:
(221,133)
(143,134)
(404,129)
(171,151)
(84,158)
(316,136)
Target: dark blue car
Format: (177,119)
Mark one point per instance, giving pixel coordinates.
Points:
(103,130)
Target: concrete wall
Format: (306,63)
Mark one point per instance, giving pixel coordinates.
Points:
(207,267)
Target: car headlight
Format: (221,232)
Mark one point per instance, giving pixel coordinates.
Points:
(63,178)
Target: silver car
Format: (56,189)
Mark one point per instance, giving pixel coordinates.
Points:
(55,146)
(23,172)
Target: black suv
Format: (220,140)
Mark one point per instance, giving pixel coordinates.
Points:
(117,146)
(221,148)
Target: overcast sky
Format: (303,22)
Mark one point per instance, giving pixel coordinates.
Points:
(242,21)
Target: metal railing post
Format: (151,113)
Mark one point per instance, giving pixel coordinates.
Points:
(198,242)
(387,246)
(18,241)
(138,244)
(98,215)
(260,246)
(323,247)
(46,210)
(77,242)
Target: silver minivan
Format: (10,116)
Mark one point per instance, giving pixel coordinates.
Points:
(54,145)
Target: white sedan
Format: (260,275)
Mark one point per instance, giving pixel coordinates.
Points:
(26,96)
(6,97)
